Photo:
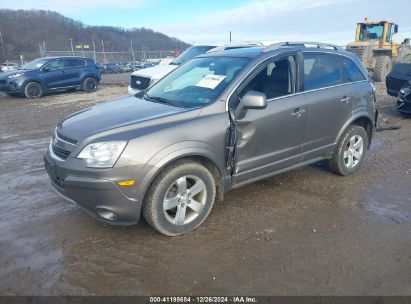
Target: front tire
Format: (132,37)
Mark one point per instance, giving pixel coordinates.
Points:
(33,90)
(90,84)
(350,151)
(180,198)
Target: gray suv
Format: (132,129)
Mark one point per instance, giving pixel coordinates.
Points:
(220,121)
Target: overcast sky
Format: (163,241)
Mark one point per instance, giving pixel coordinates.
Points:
(200,21)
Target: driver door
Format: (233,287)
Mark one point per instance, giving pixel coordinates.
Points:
(53,74)
(270,139)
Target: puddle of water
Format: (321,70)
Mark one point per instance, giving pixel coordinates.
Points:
(376,144)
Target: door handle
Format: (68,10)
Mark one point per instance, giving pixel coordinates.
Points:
(297,113)
(345,99)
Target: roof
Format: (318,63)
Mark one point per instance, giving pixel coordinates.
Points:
(253,52)
(63,57)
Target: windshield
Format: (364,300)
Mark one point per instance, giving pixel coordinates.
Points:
(35,64)
(198,82)
(190,53)
(371,31)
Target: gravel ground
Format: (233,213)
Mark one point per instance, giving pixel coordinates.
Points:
(305,232)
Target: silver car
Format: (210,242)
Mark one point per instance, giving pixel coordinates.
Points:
(220,121)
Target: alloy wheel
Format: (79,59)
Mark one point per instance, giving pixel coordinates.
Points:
(184,200)
(353,151)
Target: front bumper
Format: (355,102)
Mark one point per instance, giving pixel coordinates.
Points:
(100,196)
(403,106)
(404,101)
(11,85)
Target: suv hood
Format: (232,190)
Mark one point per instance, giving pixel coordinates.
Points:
(114,114)
(4,75)
(156,72)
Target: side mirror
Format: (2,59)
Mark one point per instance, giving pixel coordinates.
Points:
(251,100)
(396,29)
(46,70)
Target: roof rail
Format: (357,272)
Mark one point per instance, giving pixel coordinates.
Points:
(234,45)
(278,45)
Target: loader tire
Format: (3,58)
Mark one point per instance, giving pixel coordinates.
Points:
(383,66)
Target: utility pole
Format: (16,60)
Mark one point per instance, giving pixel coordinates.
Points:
(132,53)
(71,44)
(230,36)
(94,51)
(44,48)
(3,57)
(104,54)
(41,50)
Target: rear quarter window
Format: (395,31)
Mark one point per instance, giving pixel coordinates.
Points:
(350,71)
(320,71)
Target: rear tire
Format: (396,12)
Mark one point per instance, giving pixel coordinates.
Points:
(383,66)
(350,151)
(180,198)
(33,90)
(90,84)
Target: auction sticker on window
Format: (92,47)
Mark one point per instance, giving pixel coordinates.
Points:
(210,81)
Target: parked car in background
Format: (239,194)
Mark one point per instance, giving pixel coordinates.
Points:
(251,113)
(8,66)
(113,67)
(404,99)
(45,75)
(399,77)
(142,79)
(102,67)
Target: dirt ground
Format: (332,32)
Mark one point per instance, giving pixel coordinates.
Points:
(305,232)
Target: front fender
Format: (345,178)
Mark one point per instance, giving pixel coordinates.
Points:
(174,152)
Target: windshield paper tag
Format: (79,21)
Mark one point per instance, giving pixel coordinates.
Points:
(210,81)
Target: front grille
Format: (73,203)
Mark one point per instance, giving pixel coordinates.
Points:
(357,50)
(65,138)
(63,154)
(139,83)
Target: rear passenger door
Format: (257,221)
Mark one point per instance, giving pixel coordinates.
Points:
(73,71)
(329,102)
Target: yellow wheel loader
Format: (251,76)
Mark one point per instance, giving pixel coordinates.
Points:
(377,45)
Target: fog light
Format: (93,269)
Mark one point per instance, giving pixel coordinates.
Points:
(126,183)
(107,214)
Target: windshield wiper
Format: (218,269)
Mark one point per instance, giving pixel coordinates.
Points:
(159,100)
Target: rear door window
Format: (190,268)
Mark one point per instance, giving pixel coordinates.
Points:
(56,64)
(74,63)
(321,71)
(350,71)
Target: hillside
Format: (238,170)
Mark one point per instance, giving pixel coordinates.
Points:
(23,30)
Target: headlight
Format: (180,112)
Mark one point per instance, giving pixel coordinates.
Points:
(15,75)
(404,91)
(102,154)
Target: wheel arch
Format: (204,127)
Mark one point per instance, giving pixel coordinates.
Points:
(85,76)
(360,119)
(191,154)
(39,81)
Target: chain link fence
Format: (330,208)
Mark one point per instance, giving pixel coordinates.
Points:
(98,53)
